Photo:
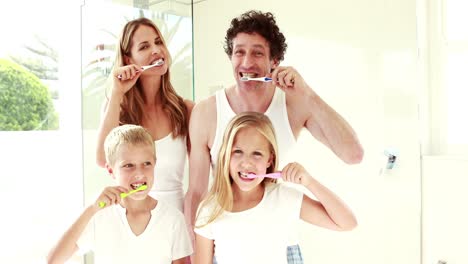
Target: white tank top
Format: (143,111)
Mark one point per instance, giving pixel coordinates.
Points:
(171,157)
(278,114)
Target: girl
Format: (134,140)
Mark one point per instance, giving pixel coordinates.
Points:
(147,98)
(248,216)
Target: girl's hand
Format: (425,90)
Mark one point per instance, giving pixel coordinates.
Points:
(110,195)
(128,77)
(295,173)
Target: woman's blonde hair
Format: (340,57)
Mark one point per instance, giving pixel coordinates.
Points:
(131,111)
(220,194)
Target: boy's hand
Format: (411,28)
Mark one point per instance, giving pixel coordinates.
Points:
(295,173)
(109,196)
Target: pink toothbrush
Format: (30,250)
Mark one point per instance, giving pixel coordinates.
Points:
(274,175)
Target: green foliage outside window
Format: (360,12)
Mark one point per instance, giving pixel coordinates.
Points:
(25,102)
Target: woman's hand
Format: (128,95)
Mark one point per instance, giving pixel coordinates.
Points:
(125,77)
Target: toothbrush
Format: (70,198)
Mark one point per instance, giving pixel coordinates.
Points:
(123,195)
(259,79)
(143,68)
(274,175)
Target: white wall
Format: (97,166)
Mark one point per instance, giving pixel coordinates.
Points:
(445,214)
(360,57)
(41,192)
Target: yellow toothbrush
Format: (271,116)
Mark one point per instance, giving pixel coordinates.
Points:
(123,195)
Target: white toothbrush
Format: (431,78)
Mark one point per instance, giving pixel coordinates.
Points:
(143,68)
(258,79)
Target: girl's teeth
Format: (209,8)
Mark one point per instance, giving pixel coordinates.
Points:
(244,175)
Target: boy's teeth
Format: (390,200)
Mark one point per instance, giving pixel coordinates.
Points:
(137,185)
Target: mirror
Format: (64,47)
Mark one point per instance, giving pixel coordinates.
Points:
(361,58)
(102,22)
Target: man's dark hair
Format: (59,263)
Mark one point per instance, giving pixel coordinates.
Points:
(261,23)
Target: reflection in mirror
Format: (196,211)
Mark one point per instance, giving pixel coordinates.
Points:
(102,22)
(361,58)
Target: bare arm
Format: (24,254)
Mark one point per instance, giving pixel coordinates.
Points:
(111,108)
(109,120)
(199,162)
(322,121)
(190,105)
(204,249)
(66,247)
(180,261)
(329,211)
(327,126)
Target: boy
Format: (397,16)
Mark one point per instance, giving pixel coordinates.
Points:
(137,228)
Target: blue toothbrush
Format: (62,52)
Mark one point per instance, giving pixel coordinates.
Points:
(258,79)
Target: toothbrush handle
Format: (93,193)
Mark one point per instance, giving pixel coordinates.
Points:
(143,68)
(274,175)
(122,195)
(120,75)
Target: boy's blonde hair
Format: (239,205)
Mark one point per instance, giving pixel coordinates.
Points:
(220,193)
(126,134)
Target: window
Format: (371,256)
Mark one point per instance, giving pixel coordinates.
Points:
(449,81)
(42,167)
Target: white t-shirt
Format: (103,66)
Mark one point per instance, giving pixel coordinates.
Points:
(256,235)
(109,236)
(171,160)
(278,113)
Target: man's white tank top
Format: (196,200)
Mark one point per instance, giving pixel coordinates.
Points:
(171,157)
(278,114)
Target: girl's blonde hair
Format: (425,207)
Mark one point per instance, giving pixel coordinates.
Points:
(132,104)
(220,194)
(126,134)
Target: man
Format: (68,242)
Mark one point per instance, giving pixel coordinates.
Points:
(256,47)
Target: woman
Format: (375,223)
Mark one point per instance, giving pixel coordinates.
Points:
(147,98)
